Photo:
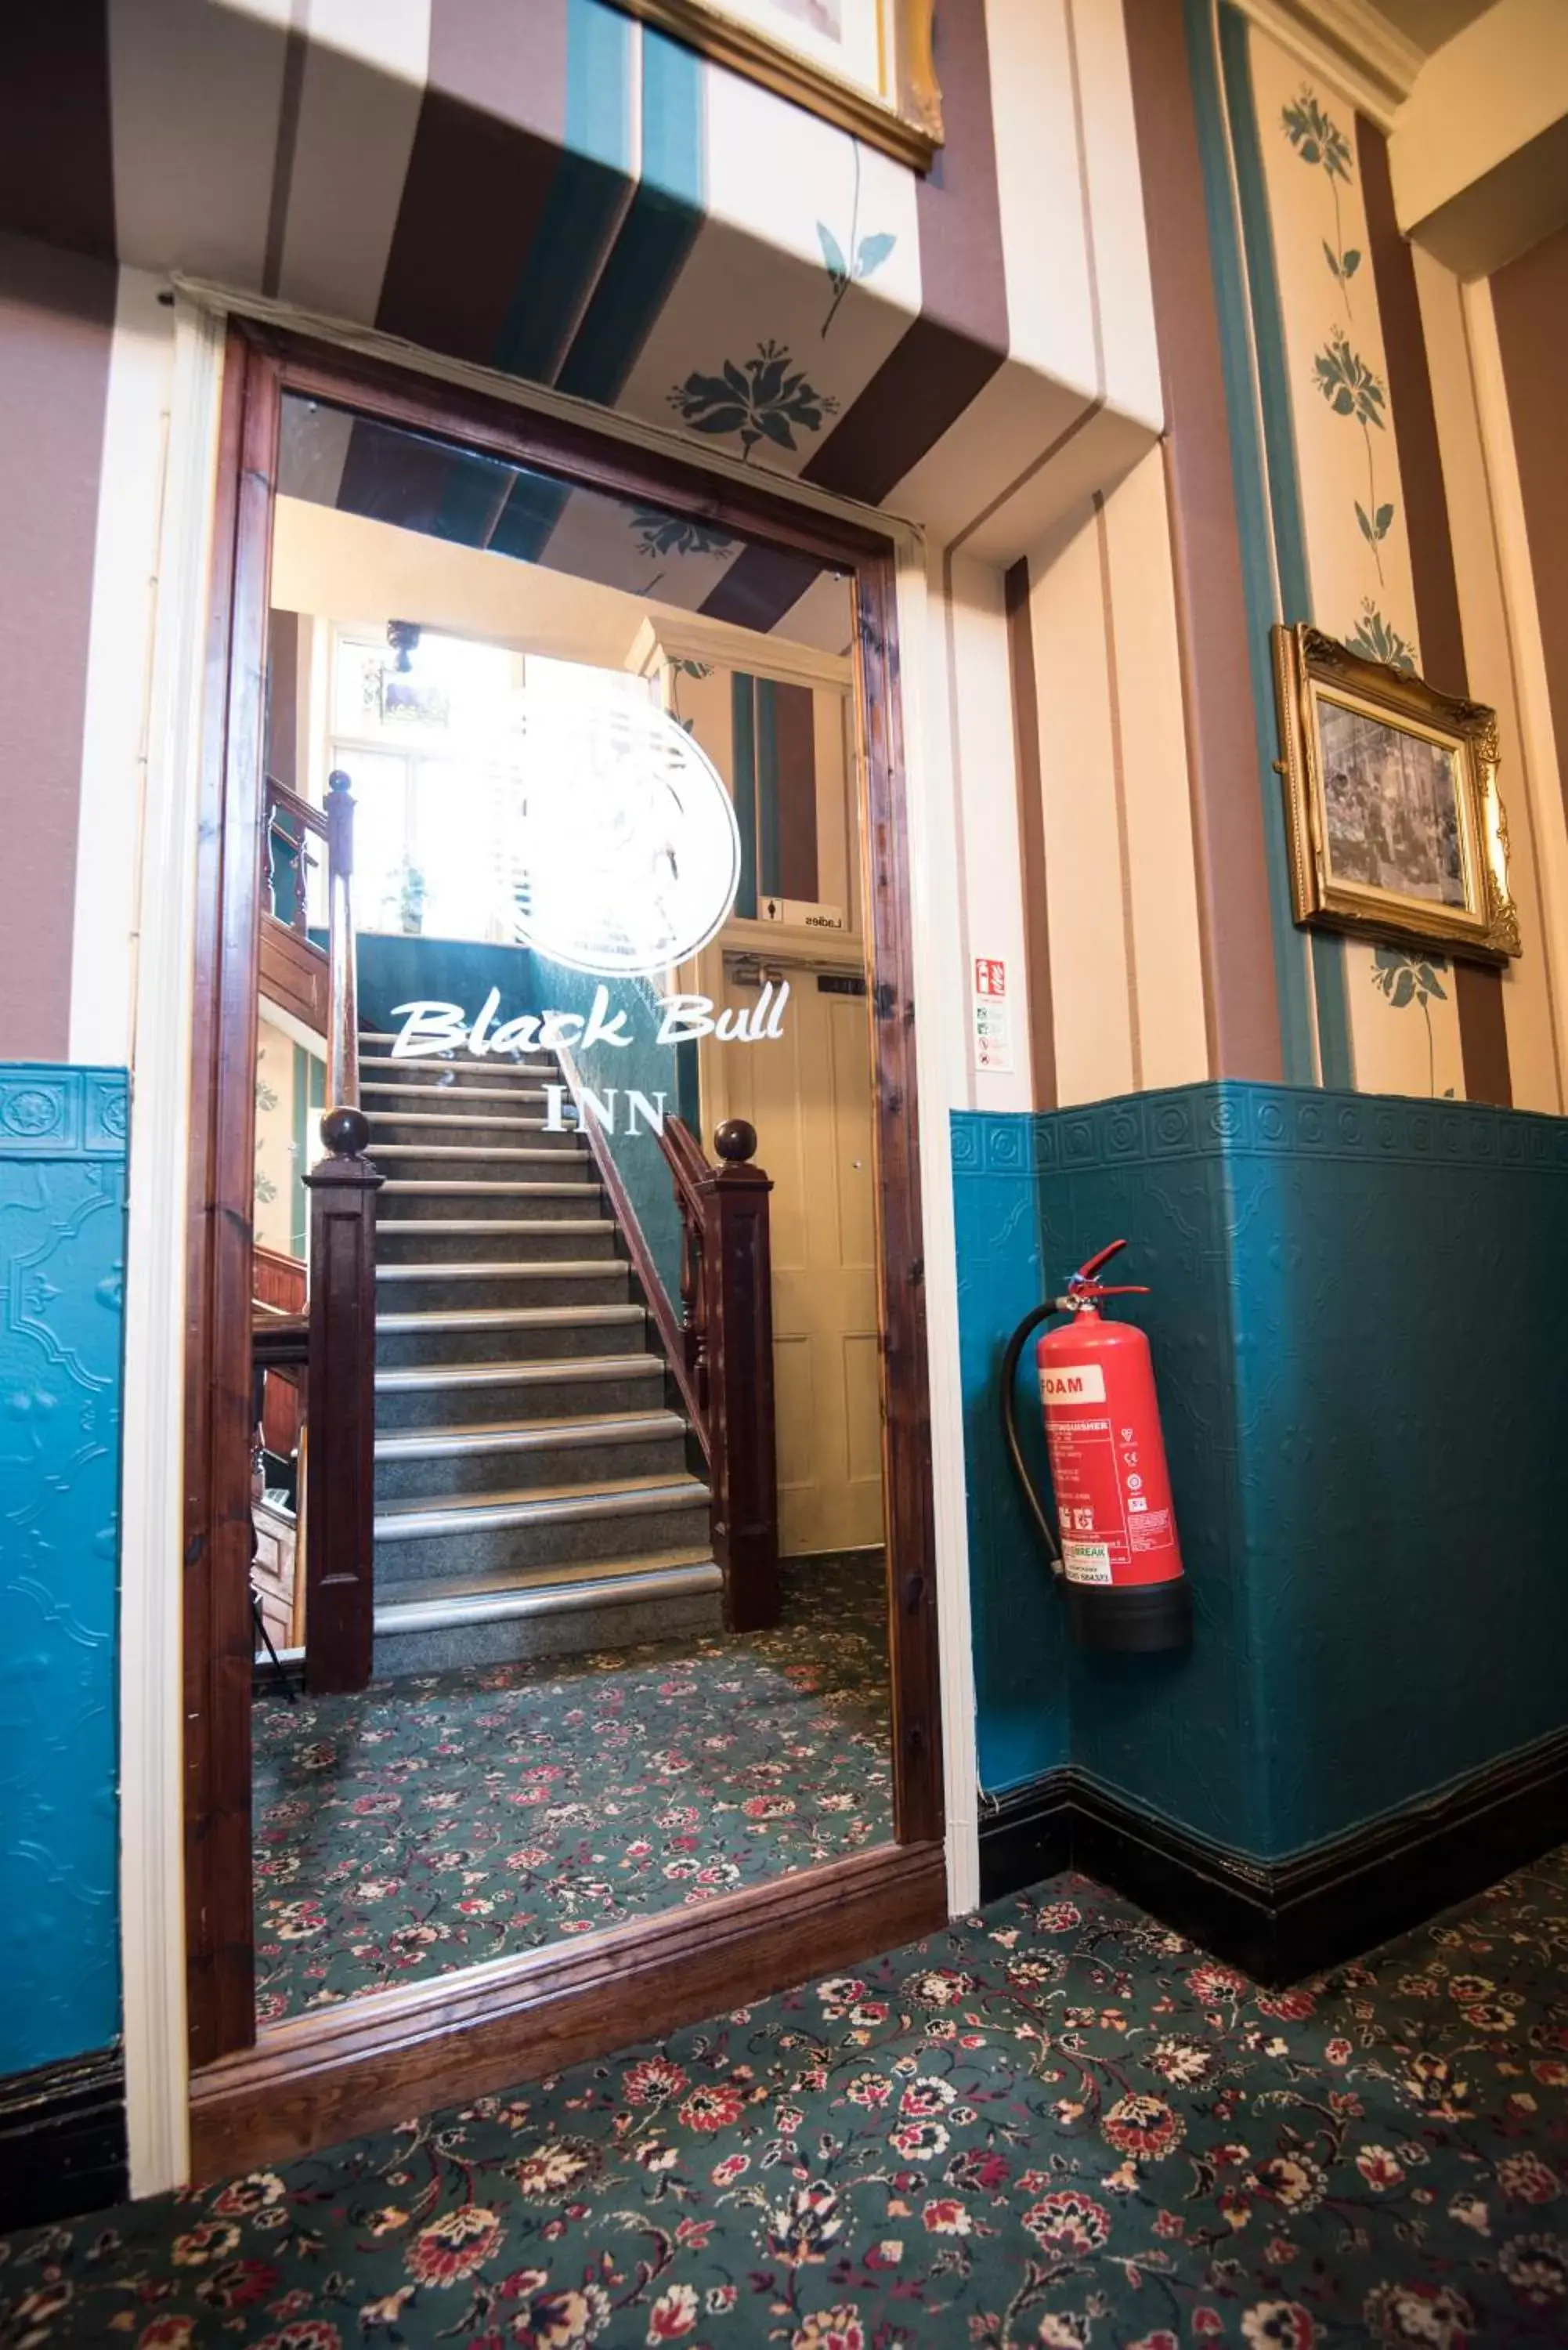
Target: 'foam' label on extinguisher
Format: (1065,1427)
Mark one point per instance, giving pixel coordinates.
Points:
(1073,1383)
(1086,1561)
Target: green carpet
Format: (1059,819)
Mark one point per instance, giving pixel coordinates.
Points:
(1054,2124)
(420,1825)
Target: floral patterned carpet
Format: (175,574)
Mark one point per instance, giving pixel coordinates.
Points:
(1054,2124)
(420,1825)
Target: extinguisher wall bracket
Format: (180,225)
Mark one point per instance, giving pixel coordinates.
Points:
(1016,1346)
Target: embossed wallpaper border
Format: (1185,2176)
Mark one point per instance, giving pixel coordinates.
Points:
(1231,1116)
(63,1137)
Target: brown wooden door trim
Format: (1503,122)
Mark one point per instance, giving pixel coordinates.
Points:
(260,366)
(218,1636)
(368,2063)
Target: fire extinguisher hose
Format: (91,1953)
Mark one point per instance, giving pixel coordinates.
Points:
(1016,1347)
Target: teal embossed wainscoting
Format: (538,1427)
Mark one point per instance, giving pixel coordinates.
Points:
(62,1250)
(1356,1319)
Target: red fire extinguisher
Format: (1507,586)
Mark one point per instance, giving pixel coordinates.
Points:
(1118,1552)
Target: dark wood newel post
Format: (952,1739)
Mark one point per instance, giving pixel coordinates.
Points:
(339,1484)
(738,1286)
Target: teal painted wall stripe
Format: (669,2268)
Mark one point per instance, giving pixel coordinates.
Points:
(529,516)
(1284,471)
(473,493)
(587,196)
(1296,1038)
(770,874)
(660,228)
(742,716)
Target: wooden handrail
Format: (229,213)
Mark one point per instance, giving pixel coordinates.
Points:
(279,795)
(341,1408)
(301,822)
(727,1340)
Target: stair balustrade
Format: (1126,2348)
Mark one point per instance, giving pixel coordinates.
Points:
(294,971)
(727,1346)
(341,1378)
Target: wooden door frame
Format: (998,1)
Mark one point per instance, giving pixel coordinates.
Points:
(322,2075)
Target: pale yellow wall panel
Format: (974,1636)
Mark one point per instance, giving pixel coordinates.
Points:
(1088,918)
(276,1152)
(707,703)
(1050,300)
(1156,806)
(1530,985)
(977,707)
(1125,295)
(1357,579)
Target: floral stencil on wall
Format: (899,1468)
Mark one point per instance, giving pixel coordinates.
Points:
(1351,389)
(765,399)
(1318,140)
(1374,640)
(857,258)
(1407,979)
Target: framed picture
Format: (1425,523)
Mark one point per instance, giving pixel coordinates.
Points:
(865,65)
(1394,825)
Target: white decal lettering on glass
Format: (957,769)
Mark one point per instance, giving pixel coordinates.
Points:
(601,1109)
(430,1026)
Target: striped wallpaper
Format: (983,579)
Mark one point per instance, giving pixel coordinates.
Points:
(558,192)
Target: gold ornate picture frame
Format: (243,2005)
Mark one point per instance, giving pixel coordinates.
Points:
(1392,814)
(880,84)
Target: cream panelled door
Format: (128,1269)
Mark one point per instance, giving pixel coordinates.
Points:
(808,1094)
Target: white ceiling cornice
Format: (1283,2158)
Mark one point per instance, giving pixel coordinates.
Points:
(1350,43)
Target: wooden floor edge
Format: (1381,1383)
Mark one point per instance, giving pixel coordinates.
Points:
(325,2079)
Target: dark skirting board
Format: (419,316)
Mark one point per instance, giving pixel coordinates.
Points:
(1282,1919)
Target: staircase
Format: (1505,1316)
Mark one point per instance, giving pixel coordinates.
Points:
(532,1493)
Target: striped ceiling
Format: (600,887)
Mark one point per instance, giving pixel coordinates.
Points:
(329,457)
(551,188)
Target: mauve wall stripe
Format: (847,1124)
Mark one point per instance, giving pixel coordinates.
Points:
(1478,990)
(56,155)
(1241,998)
(483,162)
(760,586)
(1529,302)
(961,339)
(57,322)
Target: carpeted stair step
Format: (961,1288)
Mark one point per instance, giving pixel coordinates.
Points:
(446,1128)
(567,1281)
(435,1396)
(455,1080)
(660,1596)
(508,1534)
(430,1163)
(507,1333)
(520,1240)
(572,1194)
(513,1098)
(480,1457)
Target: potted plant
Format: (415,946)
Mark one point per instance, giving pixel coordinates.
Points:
(410,897)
